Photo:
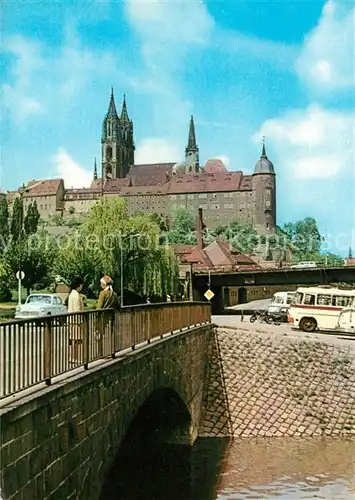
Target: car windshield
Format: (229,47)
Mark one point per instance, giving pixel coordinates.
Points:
(39,299)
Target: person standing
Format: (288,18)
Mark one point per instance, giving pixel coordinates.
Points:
(108,299)
(75,305)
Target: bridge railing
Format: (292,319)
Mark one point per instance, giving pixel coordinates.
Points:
(37,349)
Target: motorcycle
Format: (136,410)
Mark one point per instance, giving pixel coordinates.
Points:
(261,316)
(279,317)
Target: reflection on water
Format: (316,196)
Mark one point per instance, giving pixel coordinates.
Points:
(252,469)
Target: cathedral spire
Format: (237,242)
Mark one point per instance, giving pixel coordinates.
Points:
(112,106)
(124,113)
(95,170)
(191,145)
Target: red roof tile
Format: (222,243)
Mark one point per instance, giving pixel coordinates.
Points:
(152,174)
(215,166)
(46,187)
(204,182)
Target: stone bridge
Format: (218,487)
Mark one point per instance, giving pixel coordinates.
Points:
(186,380)
(60,441)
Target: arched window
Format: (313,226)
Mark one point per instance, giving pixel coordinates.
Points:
(108,152)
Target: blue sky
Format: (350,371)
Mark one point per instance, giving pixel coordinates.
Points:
(244,69)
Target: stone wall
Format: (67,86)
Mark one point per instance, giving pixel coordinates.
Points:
(60,442)
(261,384)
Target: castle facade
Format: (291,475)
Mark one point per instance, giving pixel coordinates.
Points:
(162,188)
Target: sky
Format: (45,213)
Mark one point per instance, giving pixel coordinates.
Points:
(244,69)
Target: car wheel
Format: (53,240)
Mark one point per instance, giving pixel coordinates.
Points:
(308,324)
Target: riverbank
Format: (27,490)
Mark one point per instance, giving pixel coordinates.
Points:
(267,383)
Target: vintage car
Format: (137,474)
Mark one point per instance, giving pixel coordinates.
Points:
(41,304)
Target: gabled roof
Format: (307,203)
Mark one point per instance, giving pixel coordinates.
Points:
(215,166)
(46,187)
(152,174)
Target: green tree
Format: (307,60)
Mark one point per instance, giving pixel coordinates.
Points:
(241,236)
(182,229)
(304,237)
(17,219)
(96,247)
(31,219)
(34,255)
(4,221)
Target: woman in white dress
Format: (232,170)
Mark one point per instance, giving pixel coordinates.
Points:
(75,305)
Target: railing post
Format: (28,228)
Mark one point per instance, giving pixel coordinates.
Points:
(113,336)
(47,351)
(86,340)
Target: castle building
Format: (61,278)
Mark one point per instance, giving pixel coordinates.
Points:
(163,188)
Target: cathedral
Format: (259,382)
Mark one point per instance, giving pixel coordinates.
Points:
(163,188)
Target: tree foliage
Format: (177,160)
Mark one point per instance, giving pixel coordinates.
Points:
(31,219)
(17,219)
(35,255)
(95,249)
(305,237)
(4,222)
(182,229)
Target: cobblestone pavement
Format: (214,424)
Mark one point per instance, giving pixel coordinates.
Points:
(285,329)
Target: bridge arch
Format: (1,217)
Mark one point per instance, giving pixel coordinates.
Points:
(162,421)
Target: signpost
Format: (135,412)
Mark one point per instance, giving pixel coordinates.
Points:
(209,294)
(20,276)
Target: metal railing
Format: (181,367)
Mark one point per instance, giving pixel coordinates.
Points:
(37,349)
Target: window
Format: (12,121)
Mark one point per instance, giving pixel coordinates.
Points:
(268,203)
(340,301)
(228,205)
(309,299)
(202,195)
(190,196)
(215,206)
(214,195)
(324,300)
(173,197)
(203,206)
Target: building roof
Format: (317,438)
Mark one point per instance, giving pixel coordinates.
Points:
(215,166)
(151,174)
(205,182)
(264,165)
(46,187)
(215,255)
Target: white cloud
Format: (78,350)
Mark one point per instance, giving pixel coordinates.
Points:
(18,97)
(327,58)
(47,82)
(311,143)
(73,174)
(157,150)
(183,21)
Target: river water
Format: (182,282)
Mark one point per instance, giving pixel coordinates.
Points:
(242,469)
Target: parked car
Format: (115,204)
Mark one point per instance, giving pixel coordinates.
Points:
(40,304)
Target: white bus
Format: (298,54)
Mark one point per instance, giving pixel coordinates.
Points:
(318,307)
(346,319)
(280,300)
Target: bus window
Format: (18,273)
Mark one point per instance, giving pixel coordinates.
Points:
(309,299)
(324,300)
(298,298)
(341,301)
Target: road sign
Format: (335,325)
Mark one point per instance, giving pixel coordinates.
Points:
(209,294)
(20,276)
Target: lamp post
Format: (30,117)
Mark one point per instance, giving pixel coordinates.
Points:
(121,263)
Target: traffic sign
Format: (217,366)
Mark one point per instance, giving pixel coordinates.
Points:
(209,294)
(20,276)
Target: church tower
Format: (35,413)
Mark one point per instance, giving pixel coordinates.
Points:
(117,145)
(192,152)
(264,190)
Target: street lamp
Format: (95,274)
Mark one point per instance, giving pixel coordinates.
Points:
(121,264)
